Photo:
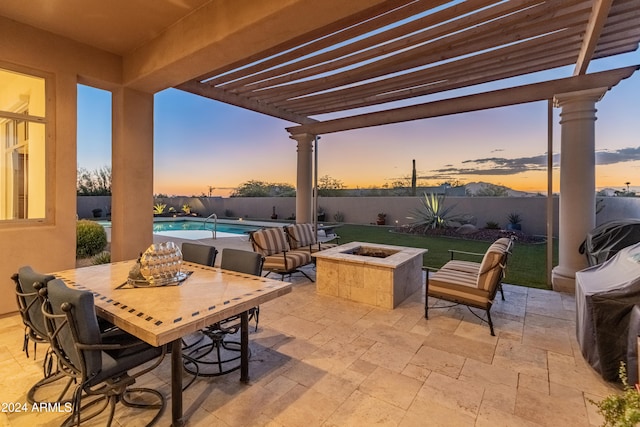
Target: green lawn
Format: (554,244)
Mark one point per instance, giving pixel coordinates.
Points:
(527,266)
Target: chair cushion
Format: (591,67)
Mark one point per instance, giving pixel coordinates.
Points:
(83,311)
(294,259)
(458,286)
(300,235)
(490,269)
(459,265)
(115,363)
(27,278)
(270,241)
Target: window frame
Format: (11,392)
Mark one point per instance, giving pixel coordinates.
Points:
(49,144)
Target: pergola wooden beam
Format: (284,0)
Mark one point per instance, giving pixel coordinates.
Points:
(529,23)
(365,48)
(229,98)
(489,66)
(293,60)
(482,101)
(598,18)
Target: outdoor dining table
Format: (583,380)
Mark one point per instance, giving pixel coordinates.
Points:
(163,315)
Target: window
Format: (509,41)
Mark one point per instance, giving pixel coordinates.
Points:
(22,146)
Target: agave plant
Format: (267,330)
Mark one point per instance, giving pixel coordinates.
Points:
(433,214)
(159,208)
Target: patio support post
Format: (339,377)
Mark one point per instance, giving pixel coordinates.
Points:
(577,182)
(304,182)
(132,182)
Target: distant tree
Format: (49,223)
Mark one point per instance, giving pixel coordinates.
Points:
(254,188)
(454,183)
(328,186)
(492,190)
(402,186)
(94,183)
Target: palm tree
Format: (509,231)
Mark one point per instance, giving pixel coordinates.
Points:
(627,183)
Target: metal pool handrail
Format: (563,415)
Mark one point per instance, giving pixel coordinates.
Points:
(215,223)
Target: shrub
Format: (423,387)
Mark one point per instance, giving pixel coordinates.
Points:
(90,238)
(621,410)
(103,257)
(492,225)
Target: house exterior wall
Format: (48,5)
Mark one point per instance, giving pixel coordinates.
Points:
(49,244)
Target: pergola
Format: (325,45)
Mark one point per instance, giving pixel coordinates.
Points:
(328,67)
(401,50)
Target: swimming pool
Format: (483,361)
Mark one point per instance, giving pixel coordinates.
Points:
(195,225)
(197,228)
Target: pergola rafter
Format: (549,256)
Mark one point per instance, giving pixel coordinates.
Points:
(408,49)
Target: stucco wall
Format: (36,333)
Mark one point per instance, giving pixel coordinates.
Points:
(363,210)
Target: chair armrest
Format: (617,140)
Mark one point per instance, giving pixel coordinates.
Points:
(454,251)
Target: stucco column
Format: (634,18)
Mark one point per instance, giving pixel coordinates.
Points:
(132,170)
(577,182)
(304,182)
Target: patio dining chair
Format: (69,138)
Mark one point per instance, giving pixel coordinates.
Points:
(224,354)
(28,283)
(199,254)
(100,364)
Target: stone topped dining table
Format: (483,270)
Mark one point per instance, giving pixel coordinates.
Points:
(163,315)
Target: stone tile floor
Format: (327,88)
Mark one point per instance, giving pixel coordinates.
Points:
(322,361)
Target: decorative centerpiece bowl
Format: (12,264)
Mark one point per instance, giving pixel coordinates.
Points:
(159,265)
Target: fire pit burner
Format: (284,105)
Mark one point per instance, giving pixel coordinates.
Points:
(370,252)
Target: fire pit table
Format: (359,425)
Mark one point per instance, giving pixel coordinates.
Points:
(380,275)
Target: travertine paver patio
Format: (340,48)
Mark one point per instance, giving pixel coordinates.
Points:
(323,361)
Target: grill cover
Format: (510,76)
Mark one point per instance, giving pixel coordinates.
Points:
(605,297)
(606,240)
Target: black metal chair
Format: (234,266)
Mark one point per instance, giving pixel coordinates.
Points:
(226,357)
(99,363)
(28,284)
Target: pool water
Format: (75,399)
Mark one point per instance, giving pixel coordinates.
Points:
(197,229)
(186,225)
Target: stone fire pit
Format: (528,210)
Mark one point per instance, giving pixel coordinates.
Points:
(380,275)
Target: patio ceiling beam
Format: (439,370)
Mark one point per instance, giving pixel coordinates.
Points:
(598,18)
(527,24)
(482,101)
(229,98)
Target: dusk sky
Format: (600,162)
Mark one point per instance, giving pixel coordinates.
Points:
(201,143)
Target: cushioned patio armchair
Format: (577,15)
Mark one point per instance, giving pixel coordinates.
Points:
(272,244)
(303,237)
(468,283)
(28,283)
(100,364)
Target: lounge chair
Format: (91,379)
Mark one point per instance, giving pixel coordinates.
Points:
(272,244)
(303,237)
(468,283)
